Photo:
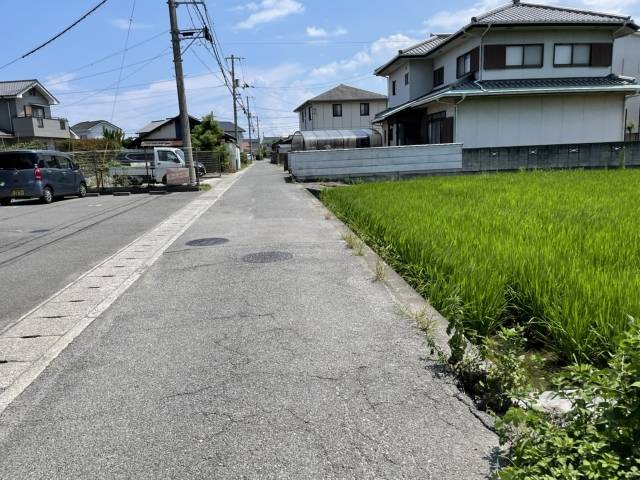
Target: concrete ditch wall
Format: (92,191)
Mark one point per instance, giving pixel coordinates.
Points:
(380,162)
(583,155)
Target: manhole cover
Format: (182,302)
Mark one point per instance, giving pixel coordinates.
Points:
(207,242)
(267,257)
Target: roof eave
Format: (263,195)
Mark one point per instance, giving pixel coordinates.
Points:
(529,91)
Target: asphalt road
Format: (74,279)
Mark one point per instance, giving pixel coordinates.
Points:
(269,353)
(45,247)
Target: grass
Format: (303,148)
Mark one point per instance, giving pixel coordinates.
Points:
(558,252)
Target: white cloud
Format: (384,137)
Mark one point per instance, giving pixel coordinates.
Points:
(316,32)
(59,82)
(123,24)
(268,11)
(379,51)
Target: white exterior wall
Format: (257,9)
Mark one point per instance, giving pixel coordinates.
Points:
(420,78)
(450,59)
(167,131)
(548,38)
(539,120)
(626,61)
(403,94)
(323,118)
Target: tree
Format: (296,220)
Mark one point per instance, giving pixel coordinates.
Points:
(208,135)
(113,138)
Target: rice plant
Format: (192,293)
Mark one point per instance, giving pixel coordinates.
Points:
(556,252)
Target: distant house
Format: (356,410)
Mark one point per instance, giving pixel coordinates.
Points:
(168,133)
(25,114)
(230,129)
(519,75)
(341,108)
(164,133)
(93,129)
(626,62)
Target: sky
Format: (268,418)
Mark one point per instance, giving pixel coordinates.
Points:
(292,50)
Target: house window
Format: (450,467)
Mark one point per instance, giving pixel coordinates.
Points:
(523,56)
(572,55)
(390,134)
(33,92)
(393,87)
(438,77)
(63,125)
(464,64)
(304,118)
(406,79)
(310,114)
(364,109)
(337,109)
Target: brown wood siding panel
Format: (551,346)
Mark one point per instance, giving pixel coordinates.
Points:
(446,135)
(495,57)
(475,59)
(601,54)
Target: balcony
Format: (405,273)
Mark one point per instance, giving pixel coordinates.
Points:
(25,126)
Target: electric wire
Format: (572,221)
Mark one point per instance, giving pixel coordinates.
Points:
(124,56)
(55,37)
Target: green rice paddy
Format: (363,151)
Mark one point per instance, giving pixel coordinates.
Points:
(556,251)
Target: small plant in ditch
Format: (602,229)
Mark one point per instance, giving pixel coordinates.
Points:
(353,243)
(598,438)
(380,270)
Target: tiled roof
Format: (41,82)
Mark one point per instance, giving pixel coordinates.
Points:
(86,125)
(344,93)
(151,126)
(581,82)
(515,13)
(425,46)
(13,88)
(230,127)
(520,13)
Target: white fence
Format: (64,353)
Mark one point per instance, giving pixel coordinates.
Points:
(390,162)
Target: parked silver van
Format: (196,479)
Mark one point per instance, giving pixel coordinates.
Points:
(43,174)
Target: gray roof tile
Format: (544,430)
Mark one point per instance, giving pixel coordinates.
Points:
(425,46)
(13,88)
(532,13)
(587,82)
(344,93)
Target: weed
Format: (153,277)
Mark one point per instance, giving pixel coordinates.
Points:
(380,270)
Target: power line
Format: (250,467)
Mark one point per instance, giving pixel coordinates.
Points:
(55,37)
(149,61)
(124,56)
(111,55)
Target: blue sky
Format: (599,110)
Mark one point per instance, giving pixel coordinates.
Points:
(293,49)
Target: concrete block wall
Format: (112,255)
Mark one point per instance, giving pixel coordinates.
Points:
(383,162)
(584,155)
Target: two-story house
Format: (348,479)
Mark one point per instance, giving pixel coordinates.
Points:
(25,114)
(522,74)
(94,129)
(626,61)
(341,108)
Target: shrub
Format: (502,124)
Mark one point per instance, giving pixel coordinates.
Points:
(598,439)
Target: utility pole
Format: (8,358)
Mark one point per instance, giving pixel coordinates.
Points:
(234,87)
(249,122)
(259,139)
(182,97)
